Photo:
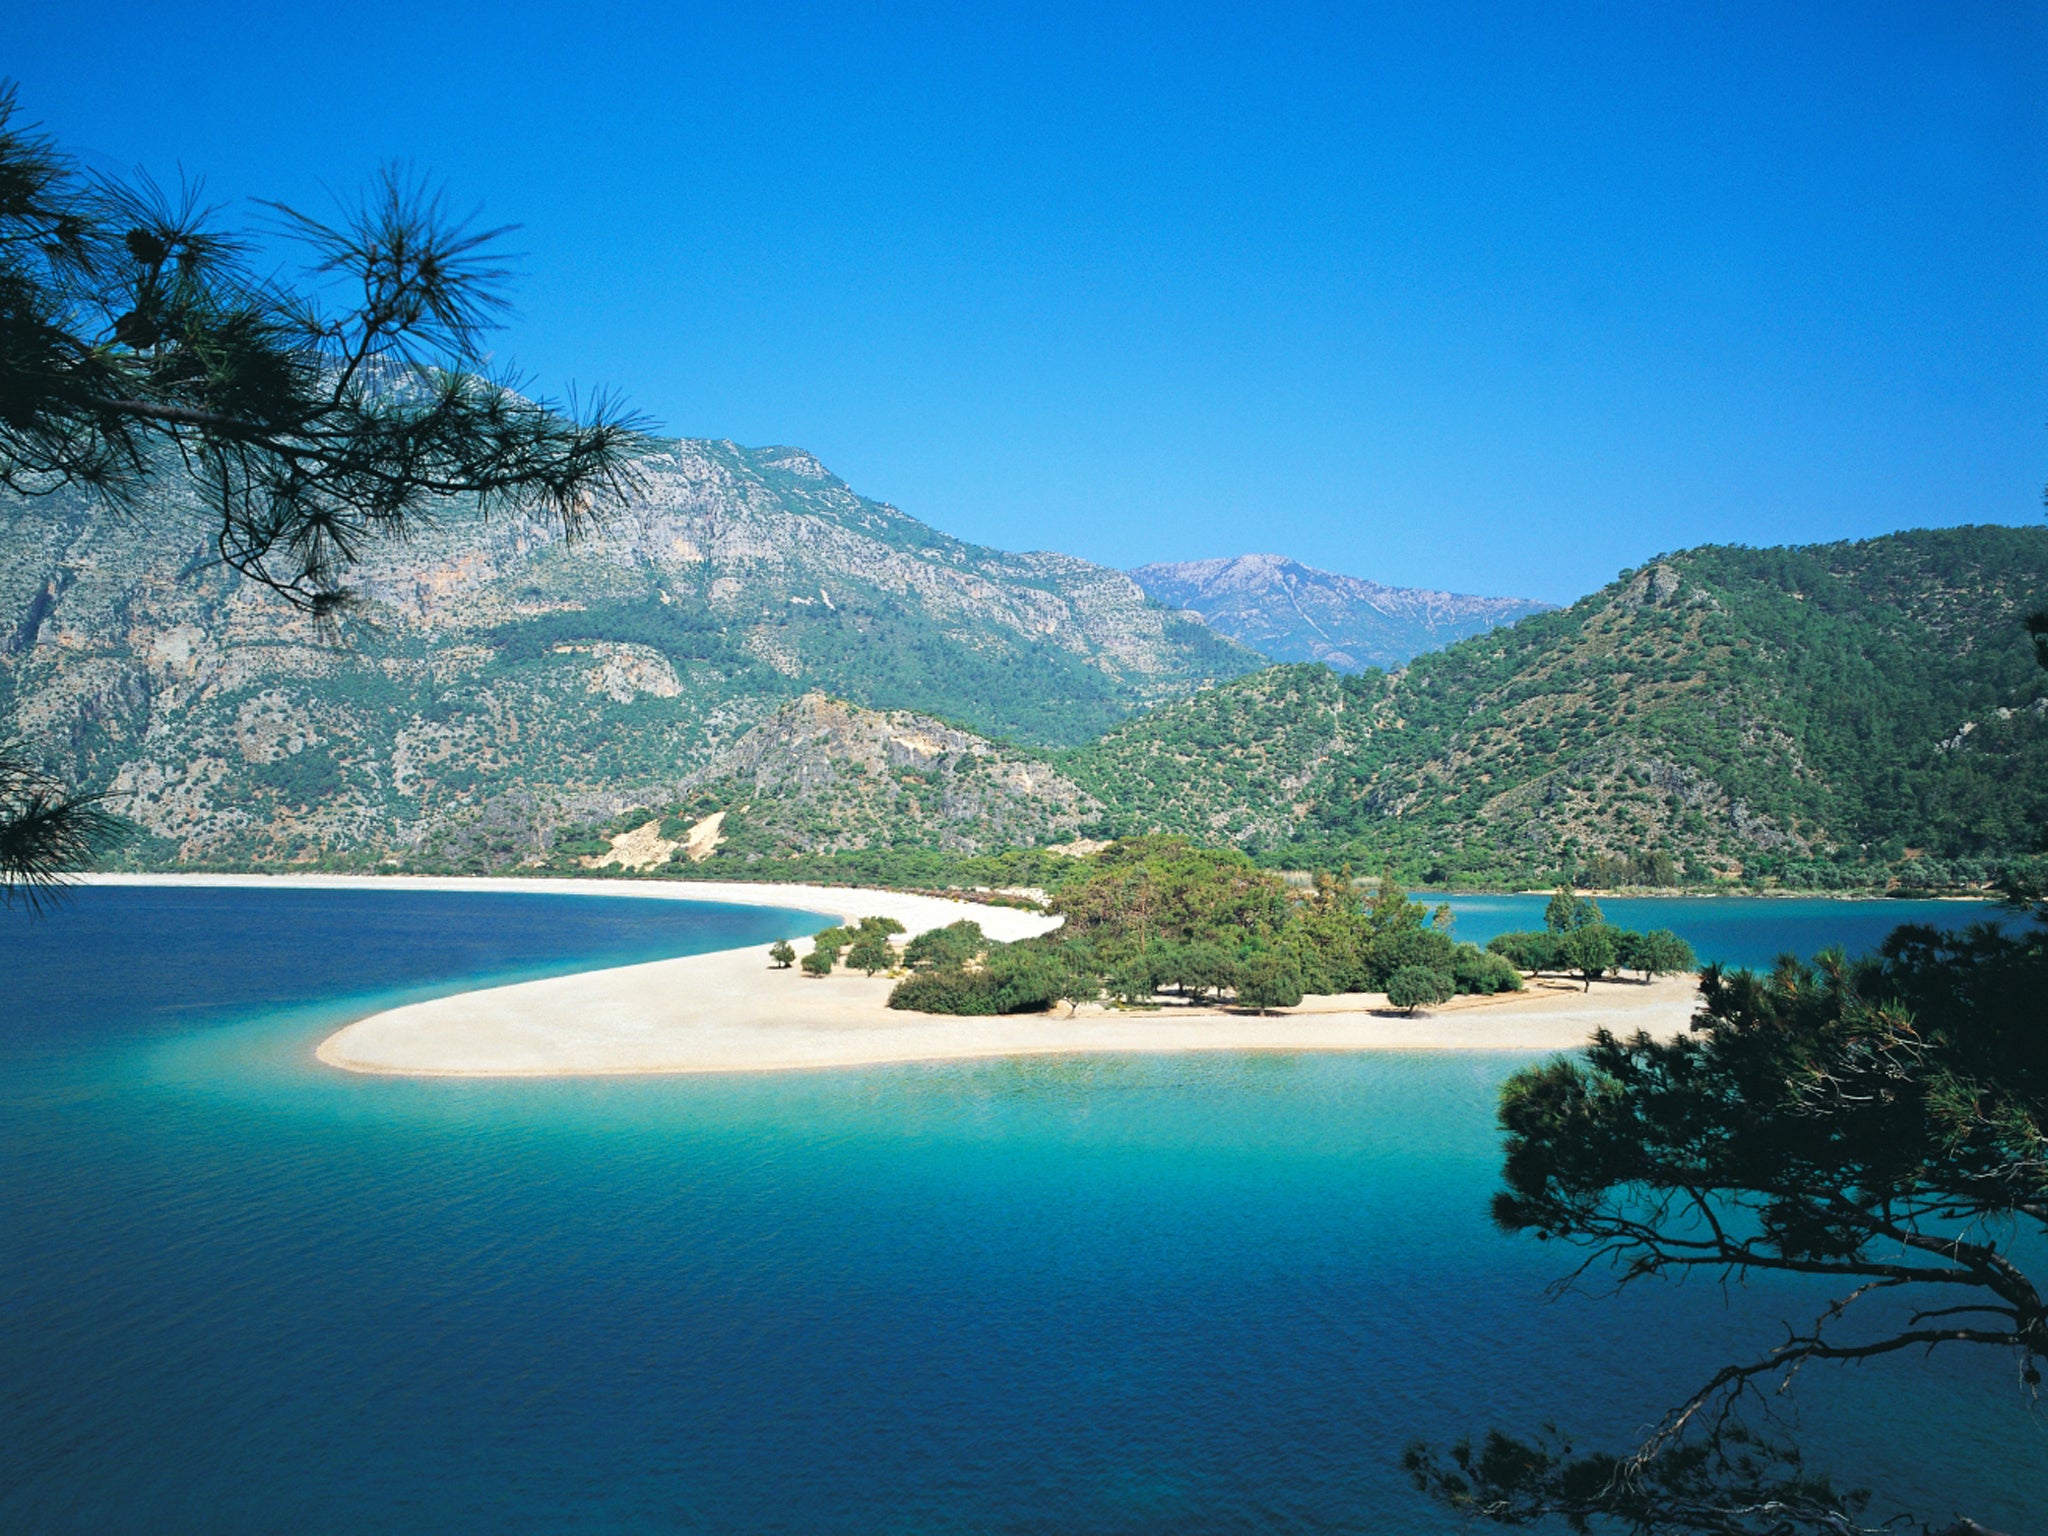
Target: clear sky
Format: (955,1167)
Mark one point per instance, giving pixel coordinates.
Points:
(1495,298)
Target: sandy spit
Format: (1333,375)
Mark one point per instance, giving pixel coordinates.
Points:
(728,1012)
(731,1012)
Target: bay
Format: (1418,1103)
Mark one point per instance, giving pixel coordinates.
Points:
(242,1293)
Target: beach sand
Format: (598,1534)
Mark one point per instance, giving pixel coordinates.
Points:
(731,1012)
(727,1012)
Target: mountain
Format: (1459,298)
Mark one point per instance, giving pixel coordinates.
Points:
(824,776)
(1293,612)
(1801,714)
(499,683)
(752,663)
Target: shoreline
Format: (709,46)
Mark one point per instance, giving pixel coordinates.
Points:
(663,887)
(728,1011)
(909,908)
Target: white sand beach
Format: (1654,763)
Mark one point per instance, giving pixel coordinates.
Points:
(731,1012)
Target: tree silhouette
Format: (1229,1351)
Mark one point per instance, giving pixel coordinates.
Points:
(138,346)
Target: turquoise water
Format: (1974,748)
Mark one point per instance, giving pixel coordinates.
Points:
(1734,930)
(240,1293)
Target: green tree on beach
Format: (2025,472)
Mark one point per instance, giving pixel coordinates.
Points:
(1417,986)
(951,946)
(819,961)
(870,952)
(1269,981)
(138,344)
(1660,952)
(1589,952)
(1569,910)
(783,953)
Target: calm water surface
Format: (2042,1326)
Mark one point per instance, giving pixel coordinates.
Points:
(241,1293)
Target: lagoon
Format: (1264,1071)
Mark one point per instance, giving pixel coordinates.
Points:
(243,1293)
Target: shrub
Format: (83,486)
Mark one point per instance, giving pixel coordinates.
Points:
(944,991)
(1269,981)
(1474,970)
(949,947)
(1030,975)
(1409,947)
(1017,978)
(1531,952)
(819,962)
(1417,986)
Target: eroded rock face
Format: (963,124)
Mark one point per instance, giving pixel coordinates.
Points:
(498,682)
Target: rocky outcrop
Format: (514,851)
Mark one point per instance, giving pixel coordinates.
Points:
(497,682)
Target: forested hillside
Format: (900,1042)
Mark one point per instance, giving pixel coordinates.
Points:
(756,669)
(1809,715)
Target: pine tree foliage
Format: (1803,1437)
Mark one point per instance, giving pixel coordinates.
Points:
(138,343)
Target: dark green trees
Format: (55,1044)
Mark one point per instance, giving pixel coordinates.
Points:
(870,952)
(1577,939)
(1589,952)
(1881,1125)
(949,947)
(1660,952)
(1026,977)
(1269,980)
(1569,910)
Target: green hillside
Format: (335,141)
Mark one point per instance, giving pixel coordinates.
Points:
(1809,715)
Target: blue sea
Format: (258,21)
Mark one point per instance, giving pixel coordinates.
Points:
(240,1293)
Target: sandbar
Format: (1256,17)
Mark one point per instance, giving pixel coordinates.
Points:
(730,1011)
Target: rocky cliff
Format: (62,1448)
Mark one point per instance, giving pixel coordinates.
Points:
(498,683)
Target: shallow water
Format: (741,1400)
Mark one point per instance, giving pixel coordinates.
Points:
(241,1293)
(1734,930)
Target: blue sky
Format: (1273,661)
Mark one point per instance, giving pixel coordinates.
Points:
(1495,298)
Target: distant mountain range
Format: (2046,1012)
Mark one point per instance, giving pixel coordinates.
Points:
(753,666)
(1294,612)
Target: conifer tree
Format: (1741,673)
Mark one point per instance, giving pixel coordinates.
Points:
(139,348)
